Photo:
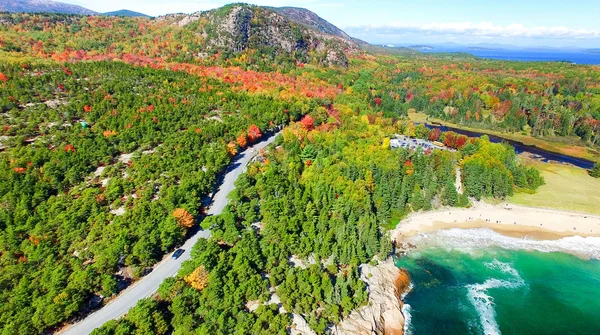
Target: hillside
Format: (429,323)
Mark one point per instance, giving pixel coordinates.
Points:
(125,12)
(42,6)
(239,27)
(307,18)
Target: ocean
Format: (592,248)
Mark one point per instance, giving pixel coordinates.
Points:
(577,57)
(477,281)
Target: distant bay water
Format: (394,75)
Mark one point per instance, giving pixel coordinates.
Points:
(577,57)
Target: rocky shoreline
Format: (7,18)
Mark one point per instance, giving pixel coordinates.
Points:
(386,285)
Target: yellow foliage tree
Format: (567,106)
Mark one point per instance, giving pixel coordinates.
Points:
(197,279)
(232,148)
(386,143)
(183,217)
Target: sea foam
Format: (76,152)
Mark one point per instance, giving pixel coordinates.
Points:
(406,309)
(483,303)
(480,238)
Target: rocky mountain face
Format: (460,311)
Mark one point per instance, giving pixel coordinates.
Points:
(309,19)
(42,6)
(239,27)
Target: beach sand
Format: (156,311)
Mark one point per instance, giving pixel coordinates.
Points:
(507,219)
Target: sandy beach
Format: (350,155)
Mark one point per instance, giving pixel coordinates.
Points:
(507,219)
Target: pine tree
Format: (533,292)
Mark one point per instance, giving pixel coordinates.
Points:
(450,194)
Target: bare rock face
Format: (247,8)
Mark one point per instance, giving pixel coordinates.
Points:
(238,28)
(300,326)
(383,313)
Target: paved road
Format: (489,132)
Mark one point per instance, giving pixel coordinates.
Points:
(167,267)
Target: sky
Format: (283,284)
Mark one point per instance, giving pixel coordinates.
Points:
(519,22)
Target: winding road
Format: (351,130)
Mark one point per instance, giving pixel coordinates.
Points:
(168,267)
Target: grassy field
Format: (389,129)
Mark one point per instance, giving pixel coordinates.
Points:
(550,144)
(567,188)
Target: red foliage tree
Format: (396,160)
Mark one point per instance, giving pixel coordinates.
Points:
(308,122)
(450,140)
(69,148)
(434,134)
(378,101)
(3,77)
(461,140)
(455,141)
(87,108)
(254,133)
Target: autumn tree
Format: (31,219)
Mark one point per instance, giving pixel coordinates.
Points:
(242,141)
(254,133)
(308,122)
(198,279)
(183,217)
(232,148)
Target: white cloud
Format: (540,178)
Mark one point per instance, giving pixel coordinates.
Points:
(482,29)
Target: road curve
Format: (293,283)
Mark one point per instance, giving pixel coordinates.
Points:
(168,267)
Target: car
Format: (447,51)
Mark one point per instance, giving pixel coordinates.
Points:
(177,253)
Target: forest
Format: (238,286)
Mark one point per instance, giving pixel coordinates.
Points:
(113,132)
(302,219)
(546,100)
(104,167)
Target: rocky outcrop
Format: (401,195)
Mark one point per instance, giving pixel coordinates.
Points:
(238,28)
(383,313)
(300,326)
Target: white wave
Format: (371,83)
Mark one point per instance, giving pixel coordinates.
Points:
(506,268)
(410,287)
(470,239)
(406,309)
(483,303)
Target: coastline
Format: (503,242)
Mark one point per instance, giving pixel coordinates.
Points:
(506,226)
(532,228)
(508,219)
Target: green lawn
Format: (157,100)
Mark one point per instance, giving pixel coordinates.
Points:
(567,188)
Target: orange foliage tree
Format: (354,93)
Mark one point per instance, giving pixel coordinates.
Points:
(109,133)
(183,217)
(3,77)
(198,279)
(241,140)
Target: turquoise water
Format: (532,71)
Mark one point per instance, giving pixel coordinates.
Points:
(494,290)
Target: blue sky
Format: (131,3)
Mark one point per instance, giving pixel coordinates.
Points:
(520,22)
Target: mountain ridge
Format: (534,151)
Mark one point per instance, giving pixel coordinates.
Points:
(48,6)
(240,27)
(43,6)
(126,12)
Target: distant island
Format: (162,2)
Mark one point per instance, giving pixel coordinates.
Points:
(593,51)
(483,49)
(421,47)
